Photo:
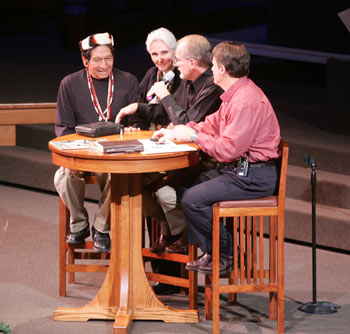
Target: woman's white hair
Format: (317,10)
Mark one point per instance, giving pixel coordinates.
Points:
(163,35)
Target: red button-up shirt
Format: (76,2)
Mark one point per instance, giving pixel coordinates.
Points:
(245,122)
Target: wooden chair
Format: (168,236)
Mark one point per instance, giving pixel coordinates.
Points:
(252,271)
(188,280)
(69,253)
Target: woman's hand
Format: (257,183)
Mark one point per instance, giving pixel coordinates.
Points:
(128,110)
(131,129)
(158,89)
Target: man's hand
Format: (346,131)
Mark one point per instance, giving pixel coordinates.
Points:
(158,89)
(180,133)
(128,110)
(163,135)
(183,133)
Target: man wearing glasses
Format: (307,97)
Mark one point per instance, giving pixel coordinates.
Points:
(195,98)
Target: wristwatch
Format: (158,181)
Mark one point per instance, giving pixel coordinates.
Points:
(193,137)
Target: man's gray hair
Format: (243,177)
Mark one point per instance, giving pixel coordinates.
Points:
(197,47)
(163,35)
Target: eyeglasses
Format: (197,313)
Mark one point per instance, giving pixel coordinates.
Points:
(97,61)
(177,60)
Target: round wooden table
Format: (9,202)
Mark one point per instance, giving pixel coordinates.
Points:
(125,293)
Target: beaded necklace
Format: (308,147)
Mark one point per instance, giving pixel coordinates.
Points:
(94,98)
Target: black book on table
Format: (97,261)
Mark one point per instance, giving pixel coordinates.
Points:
(99,129)
(119,146)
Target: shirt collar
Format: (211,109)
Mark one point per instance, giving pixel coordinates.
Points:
(227,95)
(198,83)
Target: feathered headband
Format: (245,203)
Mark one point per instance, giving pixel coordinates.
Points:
(95,40)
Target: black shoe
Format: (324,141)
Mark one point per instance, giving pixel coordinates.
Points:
(78,237)
(165,289)
(202,260)
(162,242)
(102,241)
(180,246)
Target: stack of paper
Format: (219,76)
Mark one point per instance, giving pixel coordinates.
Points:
(151,147)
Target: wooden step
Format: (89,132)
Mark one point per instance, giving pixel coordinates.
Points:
(33,168)
(332,224)
(332,189)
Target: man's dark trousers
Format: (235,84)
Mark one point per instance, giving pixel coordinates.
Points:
(207,189)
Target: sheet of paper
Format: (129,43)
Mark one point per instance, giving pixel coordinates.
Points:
(151,147)
(74,144)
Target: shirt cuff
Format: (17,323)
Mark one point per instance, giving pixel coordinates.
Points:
(193,137)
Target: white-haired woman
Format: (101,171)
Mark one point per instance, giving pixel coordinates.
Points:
(161,46)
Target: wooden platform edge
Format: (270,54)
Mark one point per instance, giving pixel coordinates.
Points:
(23,113)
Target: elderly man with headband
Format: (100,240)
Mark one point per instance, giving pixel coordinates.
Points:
(94,94)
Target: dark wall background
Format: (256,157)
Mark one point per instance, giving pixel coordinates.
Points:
(39,44)
(300,24)
(312,25)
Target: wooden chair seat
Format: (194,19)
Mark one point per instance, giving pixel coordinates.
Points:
(270,201)
(258,263)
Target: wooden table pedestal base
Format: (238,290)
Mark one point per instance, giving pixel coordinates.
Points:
(126,294)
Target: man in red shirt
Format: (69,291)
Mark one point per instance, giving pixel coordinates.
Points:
(243,132)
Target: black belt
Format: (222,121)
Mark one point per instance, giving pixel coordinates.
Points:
(263,163)
(251,164)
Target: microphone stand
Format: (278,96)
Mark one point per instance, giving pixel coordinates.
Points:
(315,307)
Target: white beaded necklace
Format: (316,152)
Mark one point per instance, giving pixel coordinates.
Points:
(103,115)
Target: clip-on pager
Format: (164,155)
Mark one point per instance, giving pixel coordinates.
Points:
(243,166)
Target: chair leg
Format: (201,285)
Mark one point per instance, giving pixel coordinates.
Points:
(64,217)
(272,269)
(280,312)
(280,279)
(208,296)
(272,305)
(184,274)
(193,280)
(71,275)
(216,275)
(232,297)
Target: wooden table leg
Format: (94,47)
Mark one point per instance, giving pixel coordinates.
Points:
(126,293)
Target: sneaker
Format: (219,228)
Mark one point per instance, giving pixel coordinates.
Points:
(194,265)
(225,265)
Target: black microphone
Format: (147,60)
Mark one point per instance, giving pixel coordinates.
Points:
(167,77)
(309,160)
